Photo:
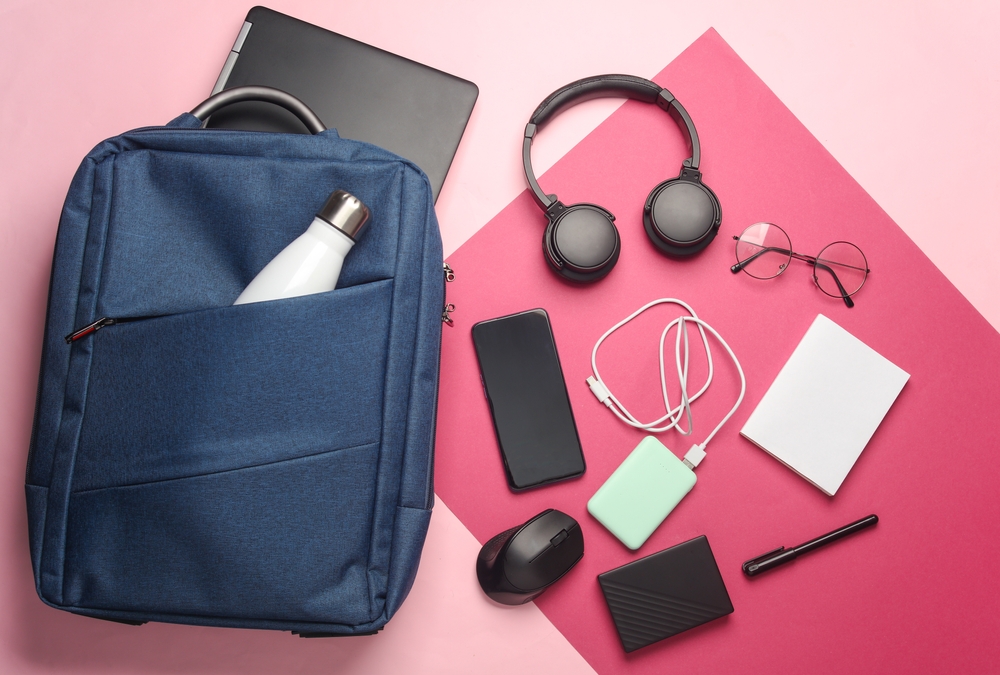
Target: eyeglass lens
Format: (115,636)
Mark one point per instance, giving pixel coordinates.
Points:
(840,261)
(763,250)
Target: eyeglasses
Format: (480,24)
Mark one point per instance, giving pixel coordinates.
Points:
(764,250)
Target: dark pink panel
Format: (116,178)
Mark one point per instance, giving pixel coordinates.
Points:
(916,593)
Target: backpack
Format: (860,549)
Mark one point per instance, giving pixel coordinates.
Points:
(265,465)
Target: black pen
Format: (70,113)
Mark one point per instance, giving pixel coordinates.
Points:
(780,556)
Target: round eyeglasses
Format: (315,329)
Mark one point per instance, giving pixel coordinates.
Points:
(764,250)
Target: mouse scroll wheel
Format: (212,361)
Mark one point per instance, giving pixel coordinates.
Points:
(559,538)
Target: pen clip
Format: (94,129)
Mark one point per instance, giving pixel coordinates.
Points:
(761,558)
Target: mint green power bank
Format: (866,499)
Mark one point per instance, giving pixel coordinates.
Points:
(641,492)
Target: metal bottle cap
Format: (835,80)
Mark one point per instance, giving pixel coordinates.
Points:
(345,212)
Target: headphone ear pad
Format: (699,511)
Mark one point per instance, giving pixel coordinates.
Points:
(682,216)
(581,243)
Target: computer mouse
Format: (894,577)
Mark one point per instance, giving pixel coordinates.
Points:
(517,565)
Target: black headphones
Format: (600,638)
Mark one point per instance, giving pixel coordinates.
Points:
(681,215)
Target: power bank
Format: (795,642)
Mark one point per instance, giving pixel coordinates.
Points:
(641,492)
(665,593)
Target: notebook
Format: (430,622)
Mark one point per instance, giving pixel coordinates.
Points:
(825,404)
(365,93)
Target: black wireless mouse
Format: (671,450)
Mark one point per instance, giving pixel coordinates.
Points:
(516,566)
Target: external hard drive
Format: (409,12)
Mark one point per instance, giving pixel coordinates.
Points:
(665,593)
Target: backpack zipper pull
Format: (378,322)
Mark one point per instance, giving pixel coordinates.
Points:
(449,275)
(446,314)
(87,330)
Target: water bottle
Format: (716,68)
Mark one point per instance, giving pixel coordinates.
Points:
(311,263)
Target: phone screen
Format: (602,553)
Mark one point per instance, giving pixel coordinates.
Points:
(528,401)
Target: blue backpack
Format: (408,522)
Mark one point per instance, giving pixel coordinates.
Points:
(265,465)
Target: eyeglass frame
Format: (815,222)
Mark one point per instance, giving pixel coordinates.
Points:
(812,260)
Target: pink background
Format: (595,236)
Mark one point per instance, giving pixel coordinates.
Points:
(904,97)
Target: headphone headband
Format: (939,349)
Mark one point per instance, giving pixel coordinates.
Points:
(604,86)
(601,86)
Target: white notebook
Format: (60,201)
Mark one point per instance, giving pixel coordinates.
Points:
(825,404)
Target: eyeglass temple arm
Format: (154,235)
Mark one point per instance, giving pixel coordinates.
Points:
(767,249)
(784,251)
(840,286)
(815,261)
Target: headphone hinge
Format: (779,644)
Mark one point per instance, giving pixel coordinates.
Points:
(687,173)
(555,208)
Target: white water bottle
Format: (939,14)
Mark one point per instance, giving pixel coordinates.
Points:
(311,263)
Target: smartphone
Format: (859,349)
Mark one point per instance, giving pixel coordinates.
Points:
(524,385)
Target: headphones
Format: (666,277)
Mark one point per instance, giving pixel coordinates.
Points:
(681,215)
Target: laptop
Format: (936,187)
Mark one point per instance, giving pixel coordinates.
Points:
(364,92)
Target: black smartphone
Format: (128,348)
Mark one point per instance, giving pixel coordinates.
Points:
(524,386)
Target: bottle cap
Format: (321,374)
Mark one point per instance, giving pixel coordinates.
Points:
(345,212)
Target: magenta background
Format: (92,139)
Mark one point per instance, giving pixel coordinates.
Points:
(904,97)
(895,596)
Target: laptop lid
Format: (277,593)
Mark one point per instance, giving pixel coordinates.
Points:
(364,92)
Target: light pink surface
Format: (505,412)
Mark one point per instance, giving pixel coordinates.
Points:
(446,625)
(903,97)
(891,596)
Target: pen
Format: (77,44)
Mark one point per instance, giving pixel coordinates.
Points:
(780,555)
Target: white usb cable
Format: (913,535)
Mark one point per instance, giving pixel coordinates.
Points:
(673,416)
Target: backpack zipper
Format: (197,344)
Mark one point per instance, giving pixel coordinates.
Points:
(449,276)
(101,323)
(91,328)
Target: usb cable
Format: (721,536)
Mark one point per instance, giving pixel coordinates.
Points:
(674,415)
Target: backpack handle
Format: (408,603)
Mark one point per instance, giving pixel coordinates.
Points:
(267,94)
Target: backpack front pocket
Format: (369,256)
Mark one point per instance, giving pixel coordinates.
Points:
(227,460)
(233,387)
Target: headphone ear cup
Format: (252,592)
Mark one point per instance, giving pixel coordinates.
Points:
(581,243)
(682,216)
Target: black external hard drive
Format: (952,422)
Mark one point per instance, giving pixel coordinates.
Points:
(665,593)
